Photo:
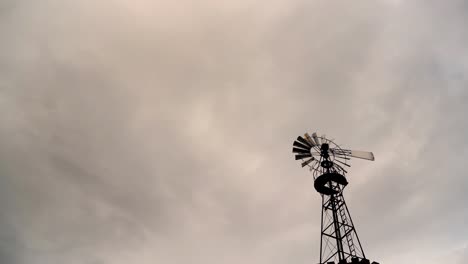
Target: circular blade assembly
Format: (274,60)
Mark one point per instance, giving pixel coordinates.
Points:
(320,154)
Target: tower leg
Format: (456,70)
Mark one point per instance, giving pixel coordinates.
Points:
(321,228)
(339,240)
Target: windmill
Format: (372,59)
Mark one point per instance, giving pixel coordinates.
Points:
(327,161)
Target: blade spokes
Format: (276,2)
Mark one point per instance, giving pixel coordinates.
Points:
(299,150)
(305,163)
(303,141)
(299,145)
(317,140)
(302,156)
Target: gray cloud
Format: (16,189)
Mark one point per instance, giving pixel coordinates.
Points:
(142,132)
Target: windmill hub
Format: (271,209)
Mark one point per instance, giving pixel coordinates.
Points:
(324,151)
(327,161)
(326,164)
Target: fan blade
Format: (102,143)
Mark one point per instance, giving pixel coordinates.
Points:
(362,154)
(317,140)
(299,145)
(303,141)
(298,150)
(353,153)
(309,139)
(342,157)
(305,163)
(302,156)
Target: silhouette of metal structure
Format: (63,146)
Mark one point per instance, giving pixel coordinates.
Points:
(327,161)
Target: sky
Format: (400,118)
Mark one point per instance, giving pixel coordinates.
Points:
(161,131)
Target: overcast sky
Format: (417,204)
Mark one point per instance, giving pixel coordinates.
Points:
(161,131)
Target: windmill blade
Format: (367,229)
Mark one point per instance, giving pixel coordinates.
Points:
(342,157)
(362,154)
(324,139)
(299,145)
(302,156)
(354,153)
(305,163)
(303,141)
(310,140)
(316,139)
(315,153)
(299,150)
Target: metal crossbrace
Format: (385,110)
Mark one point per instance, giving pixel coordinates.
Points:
(347,228)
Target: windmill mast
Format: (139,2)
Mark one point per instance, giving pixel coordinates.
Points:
(339,241)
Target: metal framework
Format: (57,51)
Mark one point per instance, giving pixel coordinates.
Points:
(339,241)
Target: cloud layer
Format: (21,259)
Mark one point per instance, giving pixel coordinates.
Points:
(143,132)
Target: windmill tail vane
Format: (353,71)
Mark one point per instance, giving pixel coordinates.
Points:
(339,242)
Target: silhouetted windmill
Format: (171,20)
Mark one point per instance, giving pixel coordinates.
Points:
(327,161)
